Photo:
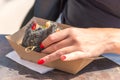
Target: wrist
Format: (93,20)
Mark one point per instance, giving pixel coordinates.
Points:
(111,39)
(115,39)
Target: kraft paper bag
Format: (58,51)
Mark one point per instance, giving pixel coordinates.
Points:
(15,41)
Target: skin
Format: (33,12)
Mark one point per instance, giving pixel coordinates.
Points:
(78,43)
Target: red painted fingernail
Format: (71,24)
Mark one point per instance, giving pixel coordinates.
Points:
(41,61)
(41,46)
(63,58)
(33,26)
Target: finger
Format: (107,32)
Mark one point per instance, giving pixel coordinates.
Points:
(56,55)
(58,45)
(55,37)
(74,56)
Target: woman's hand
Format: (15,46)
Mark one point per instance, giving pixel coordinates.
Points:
(76,43)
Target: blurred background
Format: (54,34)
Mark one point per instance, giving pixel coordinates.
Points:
(16,13)
(13,14)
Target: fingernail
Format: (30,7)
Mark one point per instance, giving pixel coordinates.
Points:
(41,61)
(63,58)
(41,46)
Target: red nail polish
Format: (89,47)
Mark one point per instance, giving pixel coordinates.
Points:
(41,61)
(33,26)
(41,46)
(63,58)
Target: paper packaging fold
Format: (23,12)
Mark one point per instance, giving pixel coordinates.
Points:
(15,41)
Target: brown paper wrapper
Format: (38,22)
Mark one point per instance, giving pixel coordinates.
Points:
(15,41)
